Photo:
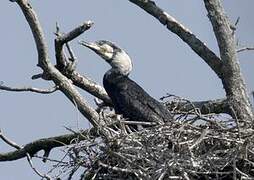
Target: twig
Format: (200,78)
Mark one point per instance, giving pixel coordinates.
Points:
(238,124)
(15,145)
(243,174)
(115,168)
(200,139)
(233,26)
(9,142)
(29,159)
(237,21)
(163,175)
(72,172)
(139,123)
(75,32)
(31,89)
(72,55)
(51,160)
(245,49)
(72,63)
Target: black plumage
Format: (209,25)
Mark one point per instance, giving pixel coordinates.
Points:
(132,101)
(129,99)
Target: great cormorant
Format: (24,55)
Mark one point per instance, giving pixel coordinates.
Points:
(129,99)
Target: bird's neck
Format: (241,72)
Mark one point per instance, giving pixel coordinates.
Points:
(116,71)
(121,64)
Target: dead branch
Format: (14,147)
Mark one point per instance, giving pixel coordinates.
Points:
(75,32)
(217,106)
(231,78)
(79,80)
(8,141)
(245,49)
(46,144)
(30,89)
(62,61)
(29,159)
(184,33)
(65,85)
(89,85)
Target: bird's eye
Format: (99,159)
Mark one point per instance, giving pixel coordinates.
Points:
(103,49)
(106,48)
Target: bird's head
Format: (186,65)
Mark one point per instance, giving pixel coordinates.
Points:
(115,56)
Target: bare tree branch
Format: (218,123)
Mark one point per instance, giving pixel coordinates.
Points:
(206,107)
(232,78)
(245,49)
(32,19)
(65,38)
(75,32)
(8,141)
(47,144)
(31,89)
(185,34)
(79,80)
(90,86)
(65,85)
(29,159)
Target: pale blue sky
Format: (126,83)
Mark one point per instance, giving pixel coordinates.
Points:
(163,63)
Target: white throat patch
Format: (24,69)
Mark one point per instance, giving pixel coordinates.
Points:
(122,63)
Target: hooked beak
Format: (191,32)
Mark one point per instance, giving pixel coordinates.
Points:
(92,46)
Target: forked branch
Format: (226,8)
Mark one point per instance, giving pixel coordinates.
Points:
(47,144)
(231,78)
(29,159)
(64,66)
(65,85)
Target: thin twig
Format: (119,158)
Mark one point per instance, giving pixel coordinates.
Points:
(30,89)
(115,168)
(245,49)
(9,142)
(139,123)
(72,55)
(29,159)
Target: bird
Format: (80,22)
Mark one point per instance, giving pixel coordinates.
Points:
(128,98)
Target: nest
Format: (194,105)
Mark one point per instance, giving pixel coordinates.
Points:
(194,146)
